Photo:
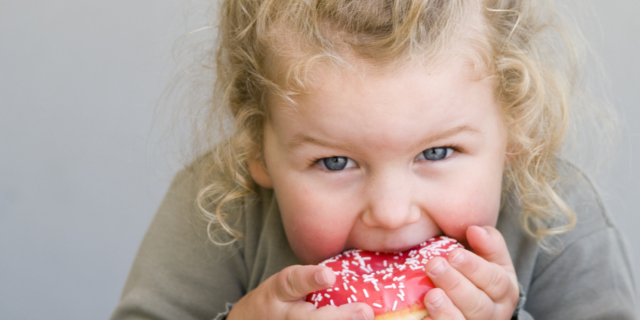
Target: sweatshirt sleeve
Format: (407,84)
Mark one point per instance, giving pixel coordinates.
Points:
(591,276)
(591,279)
(586,274)
(178,272)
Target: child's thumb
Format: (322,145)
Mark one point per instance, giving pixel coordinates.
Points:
(488,243)
(295,282)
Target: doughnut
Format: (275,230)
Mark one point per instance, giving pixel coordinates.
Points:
(393,284)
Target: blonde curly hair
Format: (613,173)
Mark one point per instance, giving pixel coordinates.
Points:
(522,43)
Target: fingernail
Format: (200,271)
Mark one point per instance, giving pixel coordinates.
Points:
(321,278)
(438,269)
(484,230)
(437,301)
(457,258)
(359,316)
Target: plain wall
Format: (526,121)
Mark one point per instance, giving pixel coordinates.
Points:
(82,162)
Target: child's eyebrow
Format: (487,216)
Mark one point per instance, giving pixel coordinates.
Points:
(302,138)
(442,135)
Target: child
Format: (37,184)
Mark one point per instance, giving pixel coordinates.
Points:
(378,124)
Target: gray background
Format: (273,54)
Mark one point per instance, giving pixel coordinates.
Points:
(84,165)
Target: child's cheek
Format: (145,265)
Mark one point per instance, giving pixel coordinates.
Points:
(460,211)
(313,240)
(315,227)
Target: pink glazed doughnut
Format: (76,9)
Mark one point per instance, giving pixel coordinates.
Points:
(393,285)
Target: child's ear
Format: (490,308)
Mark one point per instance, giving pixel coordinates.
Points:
(259,174)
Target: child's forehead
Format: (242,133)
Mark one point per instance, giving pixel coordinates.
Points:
(294,60)
(299,76)
(329,82)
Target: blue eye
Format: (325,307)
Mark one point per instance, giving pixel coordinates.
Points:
(335,163)
(435,154)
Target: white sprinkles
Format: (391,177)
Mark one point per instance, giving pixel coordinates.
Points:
(415,260)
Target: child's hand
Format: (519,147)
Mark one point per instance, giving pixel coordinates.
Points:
(474,286)
(282,297)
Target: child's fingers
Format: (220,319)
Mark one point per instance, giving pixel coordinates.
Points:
(488,243)
(440,307)
(471,301)
(491,278)
(281,297)
(295,282)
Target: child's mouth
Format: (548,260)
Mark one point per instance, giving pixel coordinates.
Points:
(391,246)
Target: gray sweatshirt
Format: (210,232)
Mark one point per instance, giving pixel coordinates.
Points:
(179,273)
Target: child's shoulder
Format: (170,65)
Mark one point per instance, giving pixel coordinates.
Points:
(593,230)
(577,191)
(594,238)
(581,195)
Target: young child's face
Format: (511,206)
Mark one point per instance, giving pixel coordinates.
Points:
(382,162)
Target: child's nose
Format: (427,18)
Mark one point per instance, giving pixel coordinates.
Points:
(390,202)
